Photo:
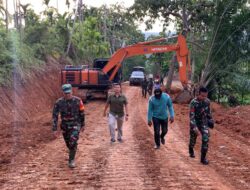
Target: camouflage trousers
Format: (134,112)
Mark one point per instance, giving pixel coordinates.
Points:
(71,136)
(204,130)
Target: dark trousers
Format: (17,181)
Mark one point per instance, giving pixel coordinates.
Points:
(160,124)
(150,90)
(205,138)
(144,92)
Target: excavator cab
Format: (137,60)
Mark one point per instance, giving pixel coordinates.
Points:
(100,63)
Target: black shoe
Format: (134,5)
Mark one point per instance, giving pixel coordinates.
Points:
(156,147)
(112,140)
(205,161)
(72,164)
(191,153)
(120,140)
(162,141)
(203,158)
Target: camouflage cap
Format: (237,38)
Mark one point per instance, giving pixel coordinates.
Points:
(67,88)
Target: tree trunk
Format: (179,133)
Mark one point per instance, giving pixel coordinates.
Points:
(192,69)
(71,33)
(80,11)
(242,97)
(192,57)
(105,25)
(171,73)
(219,94)
(6,16)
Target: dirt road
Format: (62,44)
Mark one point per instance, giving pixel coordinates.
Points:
(133,164)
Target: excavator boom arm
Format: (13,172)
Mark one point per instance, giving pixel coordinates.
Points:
(142,48)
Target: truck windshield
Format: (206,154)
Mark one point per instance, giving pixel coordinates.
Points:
(139,69)
(137,73)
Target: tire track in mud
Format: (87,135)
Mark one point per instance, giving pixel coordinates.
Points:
(125,168)
(178,170)
(229,158)
(133,164)
(99,164)
(47,167)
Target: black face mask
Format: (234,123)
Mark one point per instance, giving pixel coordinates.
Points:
(158,94)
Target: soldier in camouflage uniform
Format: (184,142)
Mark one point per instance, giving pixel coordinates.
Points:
(71,110)
(200,120)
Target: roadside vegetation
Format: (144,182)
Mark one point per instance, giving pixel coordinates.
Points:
(217,34)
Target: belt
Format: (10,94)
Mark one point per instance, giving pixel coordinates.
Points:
(68,119)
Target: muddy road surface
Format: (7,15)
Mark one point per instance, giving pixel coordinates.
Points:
(32,159)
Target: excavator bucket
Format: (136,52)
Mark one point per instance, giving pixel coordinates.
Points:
(183,97)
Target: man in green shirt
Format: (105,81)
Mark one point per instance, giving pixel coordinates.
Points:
(116,103)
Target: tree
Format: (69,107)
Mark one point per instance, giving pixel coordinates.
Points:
(229,43)
(118,27)
(24,10)
(4,11)
(88,40)
(159,62)
(187,14)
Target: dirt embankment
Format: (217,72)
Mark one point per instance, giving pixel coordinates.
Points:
(26,99)
(22,107)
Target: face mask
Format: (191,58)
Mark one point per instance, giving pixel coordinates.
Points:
(158,95)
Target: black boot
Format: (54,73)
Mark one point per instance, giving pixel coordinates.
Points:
(191,152)
(203,158)
(72,154)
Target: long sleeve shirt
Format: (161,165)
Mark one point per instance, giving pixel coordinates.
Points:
(71,111)
(158,107)
(199,113)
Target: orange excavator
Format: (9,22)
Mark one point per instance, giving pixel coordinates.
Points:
(101,79)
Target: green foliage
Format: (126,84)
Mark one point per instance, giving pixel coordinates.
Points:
(228,51)
(218,37)
(31,18)
(91,33)
(5,46)
(23,55)
(15,55)
(159,63)
(45,39)
(88,40)
(118,27)
(189,14)
(5,56)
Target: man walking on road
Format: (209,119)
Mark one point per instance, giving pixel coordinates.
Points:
(157,111)
(150,86)
(71,110)
(116,103)
(200,120)
(144,86)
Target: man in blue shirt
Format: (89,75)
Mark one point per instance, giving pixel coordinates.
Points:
(157,112)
